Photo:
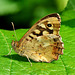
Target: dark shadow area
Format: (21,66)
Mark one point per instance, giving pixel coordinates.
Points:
(5,23)
(70,23)
(20,58)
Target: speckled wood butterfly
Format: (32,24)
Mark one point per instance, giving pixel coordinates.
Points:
(42,42)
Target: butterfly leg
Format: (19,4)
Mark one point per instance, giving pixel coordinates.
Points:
(9,52)
(28,59)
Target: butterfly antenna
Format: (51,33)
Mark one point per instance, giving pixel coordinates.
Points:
(14,30)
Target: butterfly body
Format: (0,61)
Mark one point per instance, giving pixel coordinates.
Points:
(42,42)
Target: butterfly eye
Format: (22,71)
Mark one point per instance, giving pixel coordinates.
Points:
(16,43)
(49,25)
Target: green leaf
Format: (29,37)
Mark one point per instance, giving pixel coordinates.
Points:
(14,64)
(71,5)
(61,4)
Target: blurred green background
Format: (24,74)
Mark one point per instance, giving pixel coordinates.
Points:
(24,13)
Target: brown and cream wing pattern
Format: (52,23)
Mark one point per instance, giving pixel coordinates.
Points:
(42,42)
(39,27)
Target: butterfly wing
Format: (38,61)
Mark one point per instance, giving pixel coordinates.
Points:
(42,42)
(53,18)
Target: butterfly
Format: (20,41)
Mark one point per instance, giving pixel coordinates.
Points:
(42,43)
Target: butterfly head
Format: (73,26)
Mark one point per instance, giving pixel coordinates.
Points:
(15,44)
